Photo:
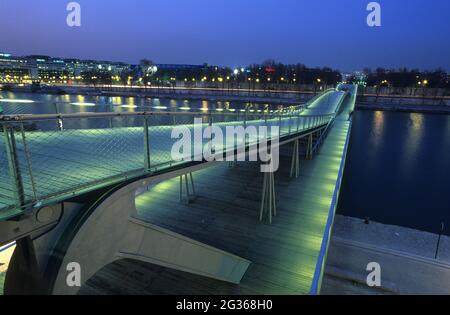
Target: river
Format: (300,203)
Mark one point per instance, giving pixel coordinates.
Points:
(398,170)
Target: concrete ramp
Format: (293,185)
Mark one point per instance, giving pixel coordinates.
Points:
(165,248)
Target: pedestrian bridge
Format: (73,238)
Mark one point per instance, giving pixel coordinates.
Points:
(101,187)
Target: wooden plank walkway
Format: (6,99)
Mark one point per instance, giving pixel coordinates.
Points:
(225,215)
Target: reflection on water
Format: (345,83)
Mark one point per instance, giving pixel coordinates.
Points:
(412,145)
(50,104)
(205,105)
(377,129)
(398,170)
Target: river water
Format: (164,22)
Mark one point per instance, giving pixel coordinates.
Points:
(30,103)
(398,170)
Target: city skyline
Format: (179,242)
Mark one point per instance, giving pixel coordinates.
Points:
(187,32)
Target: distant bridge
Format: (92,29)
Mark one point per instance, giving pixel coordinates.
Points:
(71,187)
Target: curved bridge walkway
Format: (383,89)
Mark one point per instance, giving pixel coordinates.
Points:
(88,155)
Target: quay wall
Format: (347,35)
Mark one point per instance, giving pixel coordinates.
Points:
(406,257)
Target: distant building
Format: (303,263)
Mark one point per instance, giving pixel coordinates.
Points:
(13,69)
(46,69)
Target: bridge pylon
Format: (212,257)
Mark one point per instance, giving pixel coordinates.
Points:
(268,208)
(309,148)
(295,163)
(189,194)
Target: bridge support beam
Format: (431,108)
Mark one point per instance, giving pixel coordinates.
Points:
(295,163)
(190,194)
(268,203)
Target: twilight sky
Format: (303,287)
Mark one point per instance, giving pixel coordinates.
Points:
(414,33)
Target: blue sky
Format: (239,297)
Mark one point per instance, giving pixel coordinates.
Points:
(414,33)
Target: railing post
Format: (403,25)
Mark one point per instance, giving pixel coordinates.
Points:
(59,122)
(28,159)
(290,122)
(146,144)
(245,127)
(13,164)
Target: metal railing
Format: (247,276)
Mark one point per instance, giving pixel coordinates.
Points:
(330,124)
(48,158)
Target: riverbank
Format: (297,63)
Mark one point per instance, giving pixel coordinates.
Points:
(424,109)
(406,256)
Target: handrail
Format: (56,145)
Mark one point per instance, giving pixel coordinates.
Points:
(40,117)
(320,264)
(330,123)
(318,274)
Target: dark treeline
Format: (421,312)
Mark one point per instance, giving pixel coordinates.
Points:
(295,73)
(403,78)
(268,72)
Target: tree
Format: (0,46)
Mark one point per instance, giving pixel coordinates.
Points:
(147,69)
(126,76)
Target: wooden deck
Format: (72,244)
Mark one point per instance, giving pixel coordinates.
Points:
(225,215)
